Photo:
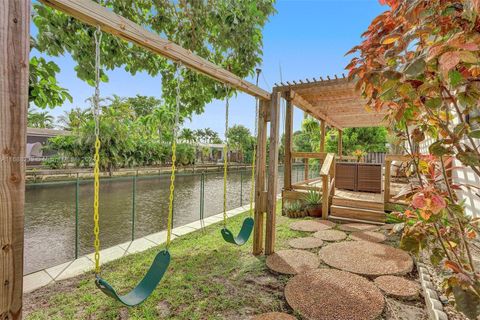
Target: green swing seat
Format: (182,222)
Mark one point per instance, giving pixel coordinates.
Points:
(146,286)
(243,236)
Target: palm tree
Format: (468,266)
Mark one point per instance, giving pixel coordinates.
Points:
(72,120)
(40,120)
(187,135)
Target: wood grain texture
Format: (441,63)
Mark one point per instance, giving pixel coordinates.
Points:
(14,61)
(94,14)
(340,143)
(287,185)
(270,233)
(260,192)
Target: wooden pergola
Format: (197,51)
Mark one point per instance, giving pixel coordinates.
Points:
(334,102)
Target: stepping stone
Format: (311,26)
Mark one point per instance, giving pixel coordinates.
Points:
(368,236)
(352,227)
(330,235)
(305,243)
(398,287)
(292,261)
(274,316)
(334,294)
(311,225)
(366,258)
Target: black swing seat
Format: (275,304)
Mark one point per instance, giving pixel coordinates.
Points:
(243,236)
(145,287)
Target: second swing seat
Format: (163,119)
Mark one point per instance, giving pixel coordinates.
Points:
(243,236)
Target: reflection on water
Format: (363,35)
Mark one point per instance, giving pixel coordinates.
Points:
(50,211)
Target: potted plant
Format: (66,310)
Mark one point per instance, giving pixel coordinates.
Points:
(294,209)
(313,203)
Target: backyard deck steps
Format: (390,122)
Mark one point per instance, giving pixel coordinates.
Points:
(357,203)
(358,213)
(340,219)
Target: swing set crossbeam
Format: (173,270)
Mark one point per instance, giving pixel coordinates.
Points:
(95,15)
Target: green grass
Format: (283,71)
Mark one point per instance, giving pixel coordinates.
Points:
(207,279)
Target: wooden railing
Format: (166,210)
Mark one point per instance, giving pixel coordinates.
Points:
(327,174)
(389,158)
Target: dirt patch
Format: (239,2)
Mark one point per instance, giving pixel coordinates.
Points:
(400,310)
(274,316)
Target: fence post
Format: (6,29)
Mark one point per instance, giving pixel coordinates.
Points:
(76,215)
(134,192)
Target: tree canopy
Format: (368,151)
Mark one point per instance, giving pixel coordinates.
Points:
(227,33)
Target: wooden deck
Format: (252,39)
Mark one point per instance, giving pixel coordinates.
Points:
(352,205)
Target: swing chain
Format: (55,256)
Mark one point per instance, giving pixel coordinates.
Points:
(174,159)
(96,157)
(225,160)
(254,155)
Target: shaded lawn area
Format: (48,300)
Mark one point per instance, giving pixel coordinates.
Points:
(207,279)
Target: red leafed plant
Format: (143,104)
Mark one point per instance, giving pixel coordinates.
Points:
(420,61)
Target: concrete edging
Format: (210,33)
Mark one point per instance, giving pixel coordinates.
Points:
(83,264)
(434,305)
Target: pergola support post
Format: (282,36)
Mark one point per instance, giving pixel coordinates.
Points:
(322,135)
(14,63)
(261,164)
(272,174)
(287,185)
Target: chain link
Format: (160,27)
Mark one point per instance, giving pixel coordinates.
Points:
(174,159)
(225,161)
(254,155)
(96,157)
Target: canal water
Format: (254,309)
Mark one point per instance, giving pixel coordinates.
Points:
(50,211)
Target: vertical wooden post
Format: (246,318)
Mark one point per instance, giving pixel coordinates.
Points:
(287,185)
(306,169)
(386,192)
(14,61)
(261,164)
(340,147)
(325,198)
(272,174)
(322,135)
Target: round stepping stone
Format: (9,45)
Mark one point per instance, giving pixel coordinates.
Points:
(311,225)
(292,261)
(274,316)
(330,235)
(305,243)
(334,294)
(352,227)
(367,258)
(398,287)
(368,236)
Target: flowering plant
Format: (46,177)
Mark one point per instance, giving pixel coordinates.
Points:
(420,61)
(359,154)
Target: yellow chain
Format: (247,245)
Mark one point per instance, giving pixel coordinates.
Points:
(172,189)
(225,166)
(96,192)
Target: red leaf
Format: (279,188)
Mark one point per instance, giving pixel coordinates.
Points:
(452,266)
(449,60)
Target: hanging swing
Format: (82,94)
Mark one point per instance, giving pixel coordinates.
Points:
(162,260)
(248,223)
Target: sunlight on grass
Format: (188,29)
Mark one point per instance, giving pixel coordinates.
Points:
(207,278)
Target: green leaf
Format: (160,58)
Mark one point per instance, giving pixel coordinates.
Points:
(416,67)
(455,77)
(438,149)
(469,158)
(474,134)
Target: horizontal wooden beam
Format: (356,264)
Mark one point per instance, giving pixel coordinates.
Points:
(318,83)
(303,104)
(94,14)
(308,155)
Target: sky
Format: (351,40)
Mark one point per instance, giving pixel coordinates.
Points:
(304,39)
